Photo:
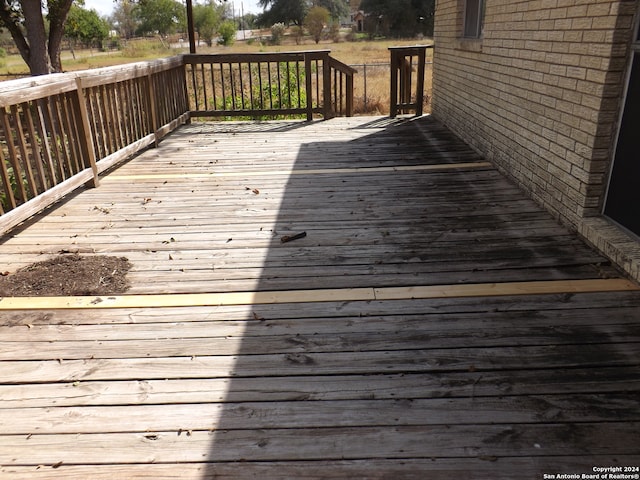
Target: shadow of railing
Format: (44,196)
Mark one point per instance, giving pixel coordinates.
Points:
(330,384)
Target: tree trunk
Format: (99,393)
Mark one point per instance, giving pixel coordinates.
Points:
(58,12)
(38,58)
(9,22)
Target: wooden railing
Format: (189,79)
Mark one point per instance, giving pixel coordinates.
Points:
(59,132)
(407,90)
(269,85)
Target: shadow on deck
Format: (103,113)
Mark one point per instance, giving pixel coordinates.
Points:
(431,323)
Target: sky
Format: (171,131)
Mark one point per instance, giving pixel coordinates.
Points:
(105,7)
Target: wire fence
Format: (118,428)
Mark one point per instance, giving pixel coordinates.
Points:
(372,88)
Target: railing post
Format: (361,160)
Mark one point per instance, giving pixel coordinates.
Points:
(308,85)
(86,140)
(393,108)
(422,60)
(349,94)
(326,85)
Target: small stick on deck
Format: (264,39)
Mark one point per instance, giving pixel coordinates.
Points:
(291,238)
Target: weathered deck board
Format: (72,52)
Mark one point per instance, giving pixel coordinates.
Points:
(505,383)
(410,469)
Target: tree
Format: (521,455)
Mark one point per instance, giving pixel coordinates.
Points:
(277,32)
(159,16)
(124,18)
(206,19)
(283,11)
(25,21)
(399,18)
(86,26)
(337,8)
(227,31)
(249,21)
(315,22)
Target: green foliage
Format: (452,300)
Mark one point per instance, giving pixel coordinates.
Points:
(399,18)
(337,8)
(298,33)
(249,21)
(277,33)
(143,48)
(280,92)
(206,19)
(315,22)
(86,26)
(3,53)
(227,31)
(124,18)
(284,11)
(13,185)
(159,16)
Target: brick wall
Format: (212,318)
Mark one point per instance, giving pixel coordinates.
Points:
(539,94)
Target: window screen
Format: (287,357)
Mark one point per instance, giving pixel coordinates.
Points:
(473,13)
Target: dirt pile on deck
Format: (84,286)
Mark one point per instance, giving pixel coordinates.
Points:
(68,275)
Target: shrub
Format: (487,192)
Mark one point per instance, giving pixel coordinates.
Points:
(277,32)
(227,31)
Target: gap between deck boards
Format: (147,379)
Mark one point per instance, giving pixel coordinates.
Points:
(320,295)
(319,171)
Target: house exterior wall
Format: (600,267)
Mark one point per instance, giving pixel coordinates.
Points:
(539,94)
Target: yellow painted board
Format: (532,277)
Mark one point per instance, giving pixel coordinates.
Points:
(504,289)
(321,171)
(320,295)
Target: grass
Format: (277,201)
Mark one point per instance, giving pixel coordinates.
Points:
(371,82)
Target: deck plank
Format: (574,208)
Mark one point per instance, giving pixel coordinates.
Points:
(414,380)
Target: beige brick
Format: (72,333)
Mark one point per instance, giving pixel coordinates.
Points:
(604,22)
(598,9)
(558,13)
(579,11)
(582,23)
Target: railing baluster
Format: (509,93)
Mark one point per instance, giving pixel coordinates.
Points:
(205,99)
(20,193)
(22,146)
(70,127)
(194,83)
(49,156)
(9,197)
(38,157)
(213,88)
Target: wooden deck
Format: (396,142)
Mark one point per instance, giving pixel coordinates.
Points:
(433,323)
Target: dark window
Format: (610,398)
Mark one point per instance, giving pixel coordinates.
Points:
(623,196)
(473,17)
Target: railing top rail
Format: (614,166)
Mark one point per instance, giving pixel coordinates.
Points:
(254,57)
(412,47)
(13,92)
(343,67)
(33,88)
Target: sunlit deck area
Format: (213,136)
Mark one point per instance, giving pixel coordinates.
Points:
(432,322)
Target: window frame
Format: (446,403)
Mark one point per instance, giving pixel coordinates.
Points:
(472,25)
